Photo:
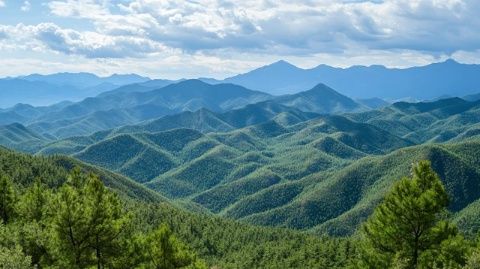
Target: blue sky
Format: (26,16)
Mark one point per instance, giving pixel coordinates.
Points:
(218,38)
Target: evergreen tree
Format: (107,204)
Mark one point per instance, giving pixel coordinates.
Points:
(106,221)
(7,199)
(406,230)
(13,258)
(35,202)
(71,225)
(34,218)
(11,254)
(164,251)
(89,222)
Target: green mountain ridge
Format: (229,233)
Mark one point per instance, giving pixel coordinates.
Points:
(133,104)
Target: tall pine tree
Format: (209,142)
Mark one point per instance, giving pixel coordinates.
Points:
(407,227)
(106,221)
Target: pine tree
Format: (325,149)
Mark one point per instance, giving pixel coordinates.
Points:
(407,227)
(89,222)
(164,251)
(106,221)
(33,211)
(71,225)
(35,203)
(7,199)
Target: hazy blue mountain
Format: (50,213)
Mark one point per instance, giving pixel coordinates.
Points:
(373,103)
(472,97)
(278,78)
(424,82)
(85,80)
(142,87)
(132,104)
(204,120)
(41,90)
(320,99)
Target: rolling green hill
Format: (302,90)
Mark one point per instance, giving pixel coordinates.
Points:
(17,136)
(221,243)
(54,170)
(217,171)
(275,165)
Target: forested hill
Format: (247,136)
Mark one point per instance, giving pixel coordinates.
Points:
(36,191)
(292,168)
(56,216)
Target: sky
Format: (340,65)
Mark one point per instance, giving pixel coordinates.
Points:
(219,38)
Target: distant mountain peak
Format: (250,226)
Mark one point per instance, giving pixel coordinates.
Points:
(451,61)
(322,88)
(192,82)
(282,64)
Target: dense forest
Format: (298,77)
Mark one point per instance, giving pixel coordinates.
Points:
(57,213)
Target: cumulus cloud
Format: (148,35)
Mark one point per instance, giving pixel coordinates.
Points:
(89,44)
(250,33)
(299,27)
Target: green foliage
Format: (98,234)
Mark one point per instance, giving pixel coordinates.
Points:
(7,199)
(164,251)
(13,258)
(473,261)
(407,227)
(88,223)
(82,225)
(228,244)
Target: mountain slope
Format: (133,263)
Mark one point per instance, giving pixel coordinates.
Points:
(54,171)
(17,136)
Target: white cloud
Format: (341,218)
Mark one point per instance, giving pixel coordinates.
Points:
(26,6)
(49,36)
(224,37)
(2,3)
(300,27)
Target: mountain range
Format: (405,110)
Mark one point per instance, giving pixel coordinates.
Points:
(41,90)
(132,104)
(367,83)
(423,82)
(314,160)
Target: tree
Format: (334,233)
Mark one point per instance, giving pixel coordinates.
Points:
(7,199)
(106,221)
(13,258)
(474,260)
(71,228)
(34,218)
(11,254)
(407,229)
(35,203)
(164,251)
(89,222)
